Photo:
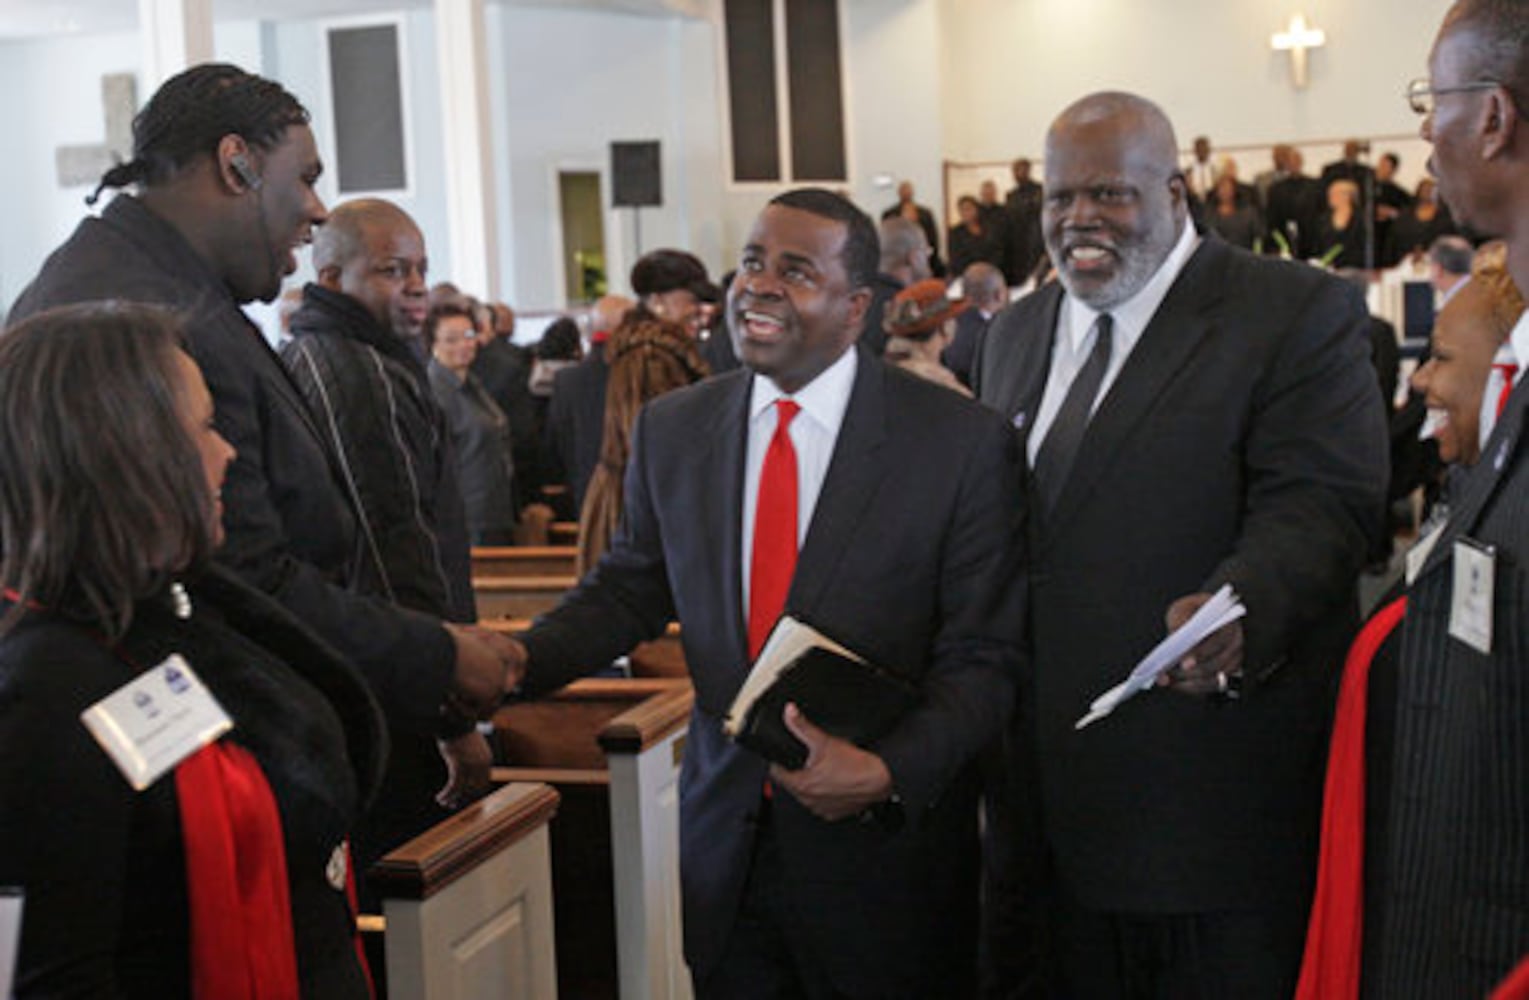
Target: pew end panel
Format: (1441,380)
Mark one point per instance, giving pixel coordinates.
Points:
(613,747)
(468,904)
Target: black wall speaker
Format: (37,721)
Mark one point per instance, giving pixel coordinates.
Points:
(636,177)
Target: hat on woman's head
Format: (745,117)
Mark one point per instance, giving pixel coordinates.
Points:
(918,310)
(665,270)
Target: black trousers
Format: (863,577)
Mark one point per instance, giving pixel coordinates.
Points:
(768,957)
(1249,954)
(765,960)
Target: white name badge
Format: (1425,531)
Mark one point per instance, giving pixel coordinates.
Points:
(10,936)
(1470,609)
(155,721)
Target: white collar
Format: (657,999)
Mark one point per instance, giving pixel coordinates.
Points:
(824,399)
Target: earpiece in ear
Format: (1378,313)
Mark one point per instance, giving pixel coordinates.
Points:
(241,165)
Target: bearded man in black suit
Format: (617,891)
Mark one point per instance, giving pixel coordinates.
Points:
(1194,416)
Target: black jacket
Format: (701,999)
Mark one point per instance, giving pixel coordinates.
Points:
(480,436)
(103,866)
(504,369)
(576,421)
(369,393)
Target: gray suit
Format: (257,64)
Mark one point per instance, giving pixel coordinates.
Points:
(1455,917)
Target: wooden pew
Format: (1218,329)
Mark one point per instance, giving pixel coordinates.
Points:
(564,533)
(613,750)
(518,596)
(523,560)
(467,904)
(663,657)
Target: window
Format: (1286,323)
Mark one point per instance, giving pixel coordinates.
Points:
(367,108)
(792,45)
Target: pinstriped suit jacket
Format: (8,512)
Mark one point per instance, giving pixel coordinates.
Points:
(1456,917)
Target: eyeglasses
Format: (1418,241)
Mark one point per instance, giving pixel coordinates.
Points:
(1421,92)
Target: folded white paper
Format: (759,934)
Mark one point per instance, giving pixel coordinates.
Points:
(1221,610)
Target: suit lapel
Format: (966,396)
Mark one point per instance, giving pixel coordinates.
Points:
(1181,322)
(854,473)
(1032,363)
(1480,484)
(720,467)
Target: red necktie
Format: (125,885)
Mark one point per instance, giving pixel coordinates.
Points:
(1508,370)
(774,553)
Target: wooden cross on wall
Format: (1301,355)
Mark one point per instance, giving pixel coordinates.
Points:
(1298,38)
(85,164)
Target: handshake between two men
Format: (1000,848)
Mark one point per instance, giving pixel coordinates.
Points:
(488,667)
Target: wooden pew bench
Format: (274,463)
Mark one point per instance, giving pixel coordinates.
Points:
(518,596)
(467,905)
(612,749)
(523,560)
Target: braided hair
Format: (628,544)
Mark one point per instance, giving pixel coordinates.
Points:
(192,112)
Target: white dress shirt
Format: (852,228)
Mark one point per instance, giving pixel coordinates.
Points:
(813,434)
(1075,337)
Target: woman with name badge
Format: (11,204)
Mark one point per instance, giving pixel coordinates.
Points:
(1465,387)
(180,759)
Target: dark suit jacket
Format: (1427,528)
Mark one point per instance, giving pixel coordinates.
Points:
(1455,918)
(576,421)
(1241,443)
(962,352)
(1023,204)
(1295,205)
(505,371)
(910,560)
(873,337)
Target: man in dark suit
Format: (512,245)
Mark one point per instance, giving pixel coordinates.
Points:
(1023,204)
(1195,416)
(855,875)
(1455,916)
(907,208)
(1295,206)
(981,285)
(576,414)
(504,369)
(904,261)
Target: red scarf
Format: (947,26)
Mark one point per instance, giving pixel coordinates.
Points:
(242,945)
(1330,969)
(1516,986)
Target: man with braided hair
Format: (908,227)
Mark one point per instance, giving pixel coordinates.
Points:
(225,165)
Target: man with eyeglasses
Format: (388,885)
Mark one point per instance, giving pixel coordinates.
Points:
(1194,416)
(1454,913)
(351,359)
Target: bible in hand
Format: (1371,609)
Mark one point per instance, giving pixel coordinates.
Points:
(837,690)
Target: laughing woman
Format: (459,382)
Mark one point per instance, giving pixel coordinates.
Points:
(157,857)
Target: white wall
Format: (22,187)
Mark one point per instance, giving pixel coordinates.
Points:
(1013,64)
(579,80)
(38,213)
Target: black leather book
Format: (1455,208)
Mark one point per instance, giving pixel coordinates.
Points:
(836,689)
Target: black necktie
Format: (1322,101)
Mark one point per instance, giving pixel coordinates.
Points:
(1054,459)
